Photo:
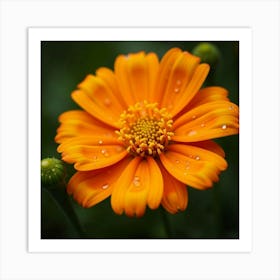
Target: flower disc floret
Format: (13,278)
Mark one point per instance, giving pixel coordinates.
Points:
(145,129)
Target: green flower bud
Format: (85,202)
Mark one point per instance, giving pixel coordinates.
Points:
(207,52)
(52,171)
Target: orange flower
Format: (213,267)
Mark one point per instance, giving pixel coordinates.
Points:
(145,133)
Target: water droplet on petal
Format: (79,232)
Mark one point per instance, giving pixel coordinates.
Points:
(178,82)
(100,142)
(224,126)
(104,153)
(176,90)
(94,157)
(136,181)
(192,132)
(107,102)
(202,125)
(194,117)
(105,186)
(177,161)
(230,107)
(197,158)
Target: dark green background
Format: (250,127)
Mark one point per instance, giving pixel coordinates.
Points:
(210,214)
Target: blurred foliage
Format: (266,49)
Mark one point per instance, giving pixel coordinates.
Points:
(213,213)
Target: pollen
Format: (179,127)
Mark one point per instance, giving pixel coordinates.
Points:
(145,130)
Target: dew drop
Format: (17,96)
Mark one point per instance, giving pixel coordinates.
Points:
(107,102)
(177,161)
(105,186)
(100,142)
(224,126)
(136,181)
(176,90)
(192,132)
(194,117)
(202,125)
(197,158)
(94,157)
(104,153)
(178,82)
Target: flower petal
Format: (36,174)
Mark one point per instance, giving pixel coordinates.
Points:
(194,166)
(91,152)
(175,195)
(140,184)
(79,123)
(206,95)
(103,94)
(207,121)
(186,95)
(209,94)
(153,68)
(108,115)
(88,140)
(136,74)
(165,68)
(109,77)
(91,187)
(176,71)
(156,184)
(210,146)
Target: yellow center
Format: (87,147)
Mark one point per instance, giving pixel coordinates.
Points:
(145,129)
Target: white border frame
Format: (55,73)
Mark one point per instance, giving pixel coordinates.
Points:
(262,16)
(243,35)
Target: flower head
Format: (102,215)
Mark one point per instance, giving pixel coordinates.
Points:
(145,133)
